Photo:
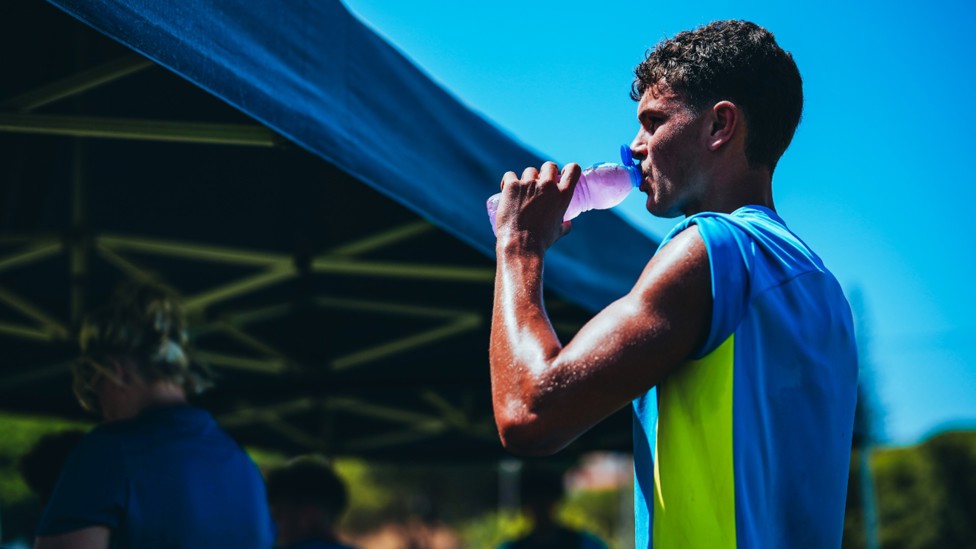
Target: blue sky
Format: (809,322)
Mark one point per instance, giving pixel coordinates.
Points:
(878,180)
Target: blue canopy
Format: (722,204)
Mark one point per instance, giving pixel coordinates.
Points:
(316,75)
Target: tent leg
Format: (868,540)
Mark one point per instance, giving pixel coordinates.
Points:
(79,226)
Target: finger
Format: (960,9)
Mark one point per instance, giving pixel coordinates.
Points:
(569,176)
(550,172)
(508,178)
(530,174)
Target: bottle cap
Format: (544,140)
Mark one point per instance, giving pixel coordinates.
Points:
(632,166)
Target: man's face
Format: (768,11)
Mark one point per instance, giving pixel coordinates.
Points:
(112,398)
(669,145)
(98,387)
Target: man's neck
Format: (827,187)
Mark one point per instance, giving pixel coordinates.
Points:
(155,395)
(734,188)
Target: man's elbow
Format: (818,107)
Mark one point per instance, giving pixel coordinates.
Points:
(527,436)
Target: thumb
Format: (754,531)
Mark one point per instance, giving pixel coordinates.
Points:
(565,229)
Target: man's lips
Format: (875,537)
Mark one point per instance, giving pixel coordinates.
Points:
(645,184)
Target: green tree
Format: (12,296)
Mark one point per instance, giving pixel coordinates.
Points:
(926,494)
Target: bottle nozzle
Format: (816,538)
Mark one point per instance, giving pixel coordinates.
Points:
(633,166)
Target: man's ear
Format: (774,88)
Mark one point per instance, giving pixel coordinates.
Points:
(725,119)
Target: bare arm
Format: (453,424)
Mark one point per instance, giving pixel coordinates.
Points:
(93,537)
(545,395)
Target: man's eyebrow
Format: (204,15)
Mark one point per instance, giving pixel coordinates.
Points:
(649,112)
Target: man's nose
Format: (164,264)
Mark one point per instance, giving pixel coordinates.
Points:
(637,148)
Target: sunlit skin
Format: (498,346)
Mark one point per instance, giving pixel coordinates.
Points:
(545,394)
(669,143)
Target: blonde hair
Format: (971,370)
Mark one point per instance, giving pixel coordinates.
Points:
(147,324)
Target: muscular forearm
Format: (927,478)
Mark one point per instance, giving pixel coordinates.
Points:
(544,394)
(523,346)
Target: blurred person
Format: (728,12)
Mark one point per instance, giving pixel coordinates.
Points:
(736,322)
(542,492)
(41,466)
(157,472)
(307,499)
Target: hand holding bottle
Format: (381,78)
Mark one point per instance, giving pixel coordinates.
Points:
(600,187)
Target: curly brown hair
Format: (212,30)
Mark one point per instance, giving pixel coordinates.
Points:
(736,61)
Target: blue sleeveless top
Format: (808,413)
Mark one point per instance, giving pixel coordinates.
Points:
(753,435)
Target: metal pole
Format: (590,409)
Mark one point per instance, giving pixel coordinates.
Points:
(868,502)
(78,245)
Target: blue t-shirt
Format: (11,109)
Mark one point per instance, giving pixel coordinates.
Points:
(167,478)
(753,435)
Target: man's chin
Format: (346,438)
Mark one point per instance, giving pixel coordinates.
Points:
(661,210)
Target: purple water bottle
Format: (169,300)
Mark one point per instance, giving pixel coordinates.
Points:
(600,187)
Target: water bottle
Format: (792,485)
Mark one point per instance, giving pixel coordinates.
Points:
(600,187)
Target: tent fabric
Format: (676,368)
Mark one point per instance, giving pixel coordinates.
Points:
(337,320)
(316,75)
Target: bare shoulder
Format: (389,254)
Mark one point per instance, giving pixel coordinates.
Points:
(641,338)
(681,263)
(674,292)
